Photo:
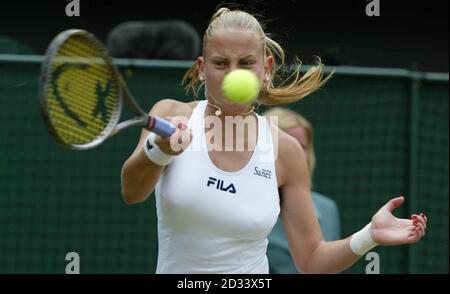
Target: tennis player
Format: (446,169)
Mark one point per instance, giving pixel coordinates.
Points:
(217,202)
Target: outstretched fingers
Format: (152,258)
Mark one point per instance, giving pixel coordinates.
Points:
(419,223)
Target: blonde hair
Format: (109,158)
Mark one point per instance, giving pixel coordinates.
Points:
(289,89)
(288,119)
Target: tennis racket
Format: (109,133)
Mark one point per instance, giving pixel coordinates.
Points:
(82,94)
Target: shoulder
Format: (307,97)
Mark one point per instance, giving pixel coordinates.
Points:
(287,146)
(290,157)
(171,107)
(290,152)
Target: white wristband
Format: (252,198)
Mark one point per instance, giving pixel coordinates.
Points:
(153,152)
(361,242)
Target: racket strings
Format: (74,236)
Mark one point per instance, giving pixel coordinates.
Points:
(83,96)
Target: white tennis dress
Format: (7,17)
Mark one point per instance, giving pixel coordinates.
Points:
(213,221)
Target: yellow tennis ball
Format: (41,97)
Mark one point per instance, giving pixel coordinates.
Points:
(241,86)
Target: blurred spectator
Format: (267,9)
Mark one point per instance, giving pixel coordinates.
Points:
(172,39)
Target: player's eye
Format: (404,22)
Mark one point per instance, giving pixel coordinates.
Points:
(219,63)
(247,63)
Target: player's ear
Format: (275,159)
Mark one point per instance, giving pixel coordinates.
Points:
(201,68)
(268,68)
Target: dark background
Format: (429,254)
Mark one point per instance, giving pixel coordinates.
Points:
(406,33)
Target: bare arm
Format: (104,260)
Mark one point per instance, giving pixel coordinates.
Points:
(140,175)
(310,252)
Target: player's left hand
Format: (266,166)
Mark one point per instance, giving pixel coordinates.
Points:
(386,229)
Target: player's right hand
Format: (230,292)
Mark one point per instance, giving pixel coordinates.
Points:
(179,140)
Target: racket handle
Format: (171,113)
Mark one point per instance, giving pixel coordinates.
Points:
(160,126)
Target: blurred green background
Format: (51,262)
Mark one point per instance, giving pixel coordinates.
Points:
(379,134)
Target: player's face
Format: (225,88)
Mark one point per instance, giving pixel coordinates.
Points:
(229,50)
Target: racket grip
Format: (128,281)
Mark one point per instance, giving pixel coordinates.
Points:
(161,127)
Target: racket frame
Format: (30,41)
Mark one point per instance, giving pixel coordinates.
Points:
(142,119)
